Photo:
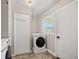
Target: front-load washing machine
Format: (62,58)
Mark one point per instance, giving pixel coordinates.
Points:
(5,49)
(38,42)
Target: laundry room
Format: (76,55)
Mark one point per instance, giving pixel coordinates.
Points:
(39,29)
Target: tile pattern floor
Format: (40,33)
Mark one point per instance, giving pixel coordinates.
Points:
(43,55)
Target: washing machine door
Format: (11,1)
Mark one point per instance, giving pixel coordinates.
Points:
(3,53)
(40,42)
(8,53)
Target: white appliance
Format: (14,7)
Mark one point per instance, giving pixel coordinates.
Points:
(38,42)
(4,48)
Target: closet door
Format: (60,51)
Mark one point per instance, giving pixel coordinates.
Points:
(21,33)
(67,19)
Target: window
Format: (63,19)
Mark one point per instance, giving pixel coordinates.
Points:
(48,24)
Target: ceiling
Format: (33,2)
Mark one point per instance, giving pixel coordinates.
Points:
(38,6)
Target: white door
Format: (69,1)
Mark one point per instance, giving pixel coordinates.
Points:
(67,19)
(21,33)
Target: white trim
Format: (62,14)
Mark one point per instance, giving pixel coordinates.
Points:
(64,6)
(51,52)
(38,51)
(19,54)
(56,33)
(13,55)
(69,4)
(9,22)
(9,19)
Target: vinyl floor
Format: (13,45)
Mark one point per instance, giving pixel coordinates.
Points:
(42,55)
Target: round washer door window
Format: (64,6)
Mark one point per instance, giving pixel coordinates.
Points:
(40,42)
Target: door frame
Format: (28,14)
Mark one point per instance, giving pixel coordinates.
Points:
(10,24)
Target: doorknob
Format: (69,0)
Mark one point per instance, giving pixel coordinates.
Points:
(58,37)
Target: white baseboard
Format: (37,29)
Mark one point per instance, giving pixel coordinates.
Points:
(38,51)
(19,54)
(51,52)
(13,55)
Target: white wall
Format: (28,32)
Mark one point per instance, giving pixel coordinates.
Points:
(37,21)
(51,42)
(16,8)
(35,24)
(4,19)
(19,8)
(51,38)
(67,22)
(58,5)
